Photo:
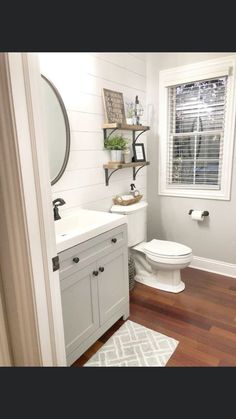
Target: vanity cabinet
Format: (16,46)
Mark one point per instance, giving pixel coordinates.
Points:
(94,288)
(80,307)
(112,283)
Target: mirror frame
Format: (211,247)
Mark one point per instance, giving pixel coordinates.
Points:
(67,125)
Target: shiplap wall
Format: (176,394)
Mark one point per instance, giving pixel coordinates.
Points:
(80,77)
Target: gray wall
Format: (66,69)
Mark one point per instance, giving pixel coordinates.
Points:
(168,217)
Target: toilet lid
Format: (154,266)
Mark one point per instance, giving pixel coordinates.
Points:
(166,248)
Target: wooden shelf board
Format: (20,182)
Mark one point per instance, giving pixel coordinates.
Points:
(115,165)
(126,127)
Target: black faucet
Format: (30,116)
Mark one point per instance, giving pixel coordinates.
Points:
(56,203)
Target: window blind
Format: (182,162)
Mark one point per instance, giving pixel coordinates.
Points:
(196,120)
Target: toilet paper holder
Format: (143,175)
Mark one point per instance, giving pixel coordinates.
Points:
(204,213)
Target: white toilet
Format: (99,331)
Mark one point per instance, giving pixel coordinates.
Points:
(157,262)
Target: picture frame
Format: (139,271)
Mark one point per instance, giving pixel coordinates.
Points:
(114,106)
(139,152)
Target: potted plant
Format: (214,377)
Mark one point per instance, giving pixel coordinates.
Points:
(116,144)
(129,112)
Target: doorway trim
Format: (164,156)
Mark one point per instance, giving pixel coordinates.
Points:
(31,288)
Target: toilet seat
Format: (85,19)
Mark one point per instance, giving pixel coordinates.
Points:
(178,260)
(165,252)
(166,249)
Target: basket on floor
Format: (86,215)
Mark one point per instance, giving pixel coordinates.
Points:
(132,273)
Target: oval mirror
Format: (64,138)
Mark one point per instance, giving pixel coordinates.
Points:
(57,129)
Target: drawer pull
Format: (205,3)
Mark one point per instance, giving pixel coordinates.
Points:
(95,273)
(76,260)
(101,269)
(114,240)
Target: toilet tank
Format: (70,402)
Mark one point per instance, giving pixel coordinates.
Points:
(137,221)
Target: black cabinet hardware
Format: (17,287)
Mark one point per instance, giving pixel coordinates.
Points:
(76,260)
(101,269)
(95,273)
(114,240)
(55,263)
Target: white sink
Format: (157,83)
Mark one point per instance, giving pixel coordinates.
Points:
(83,225)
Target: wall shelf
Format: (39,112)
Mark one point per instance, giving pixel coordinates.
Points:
(112,127)
(125,127)
(117,166)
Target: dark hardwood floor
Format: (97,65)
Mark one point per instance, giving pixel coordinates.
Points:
(202,318)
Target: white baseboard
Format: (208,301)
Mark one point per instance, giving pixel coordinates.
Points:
(215,266)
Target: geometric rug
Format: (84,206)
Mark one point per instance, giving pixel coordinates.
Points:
(134,345)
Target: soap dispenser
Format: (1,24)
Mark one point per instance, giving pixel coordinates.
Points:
(133,190)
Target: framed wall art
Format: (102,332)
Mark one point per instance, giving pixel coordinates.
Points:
(114,106)
(139,152)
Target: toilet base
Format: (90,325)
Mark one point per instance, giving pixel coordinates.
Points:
(159,276)
(169,281)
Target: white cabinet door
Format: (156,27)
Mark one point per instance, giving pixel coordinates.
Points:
(113,283)
(79,306)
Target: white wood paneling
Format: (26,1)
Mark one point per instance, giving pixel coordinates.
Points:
(74,99)
(93,140)
(80,77)
(80,196)
(85,140)
(80,121)
(84,68)
(87,159)
(140,55)
(107,70)
(124,60)
(93,176)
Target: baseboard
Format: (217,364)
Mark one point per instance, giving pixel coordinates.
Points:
(215,266)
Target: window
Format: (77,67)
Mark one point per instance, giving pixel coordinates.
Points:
(197,129)
(196,132)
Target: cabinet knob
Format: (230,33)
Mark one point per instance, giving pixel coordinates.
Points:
(114,240)
(101,269)
(76,260)
(95,273)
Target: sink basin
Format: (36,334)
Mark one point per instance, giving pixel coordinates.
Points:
(84,224)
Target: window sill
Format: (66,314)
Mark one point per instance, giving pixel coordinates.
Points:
(200,194)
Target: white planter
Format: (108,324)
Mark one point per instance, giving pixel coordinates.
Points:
(129,121)
(116,156)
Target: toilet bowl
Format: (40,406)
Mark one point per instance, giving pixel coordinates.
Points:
(157,262)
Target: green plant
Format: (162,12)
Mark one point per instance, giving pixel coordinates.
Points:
(129,109)
(117,142)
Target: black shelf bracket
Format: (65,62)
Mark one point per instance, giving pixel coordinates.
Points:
(107,175)
(136,171)
(105,136)
(135,139)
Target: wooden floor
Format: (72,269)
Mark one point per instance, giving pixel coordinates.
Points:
(202,318)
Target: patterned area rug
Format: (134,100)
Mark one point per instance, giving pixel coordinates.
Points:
(133,345)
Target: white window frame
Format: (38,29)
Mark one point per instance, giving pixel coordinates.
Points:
(185,74)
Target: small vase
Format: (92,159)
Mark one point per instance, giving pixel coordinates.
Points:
(127,155)
(116,156)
